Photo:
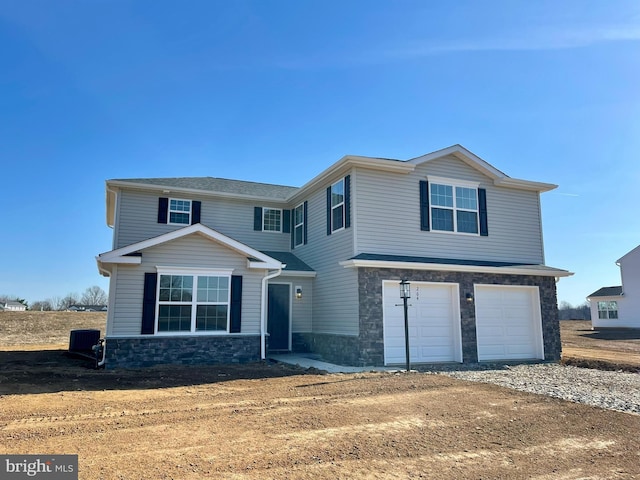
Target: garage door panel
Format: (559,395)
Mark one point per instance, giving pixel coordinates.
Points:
(433,332)
(508,323)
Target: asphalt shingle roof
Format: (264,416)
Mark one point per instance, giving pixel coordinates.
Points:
(607,292)
(293,263)
(220,185)
(443,261)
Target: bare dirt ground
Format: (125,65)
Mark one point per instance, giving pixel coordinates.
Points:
(268,421)
(611,349)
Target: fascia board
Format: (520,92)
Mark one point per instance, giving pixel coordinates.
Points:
(350,161)
(193,191)
(524,184)
(120,255)
(273,265)
(607,298)
(456,268)
(111,205)
(120,259)
(298,273)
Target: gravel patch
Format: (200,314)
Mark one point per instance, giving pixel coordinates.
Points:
(605,389)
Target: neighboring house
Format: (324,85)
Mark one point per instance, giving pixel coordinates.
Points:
(208,270)
(619,306)
(13,306)
(87,308)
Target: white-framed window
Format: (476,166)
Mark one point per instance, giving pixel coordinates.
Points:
(608,310)
(179,211)
(193,301)
(298,225)
(337,206)
(453,206)
(271,219)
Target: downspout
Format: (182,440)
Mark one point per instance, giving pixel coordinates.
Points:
(105,273)
(263,312)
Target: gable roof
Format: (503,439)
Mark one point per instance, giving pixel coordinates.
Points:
(629,254)
(607,292)
(213,185)
(280,193)
(471,159)
(293,263)
(130,253)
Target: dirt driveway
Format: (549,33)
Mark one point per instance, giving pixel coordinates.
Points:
(270,421)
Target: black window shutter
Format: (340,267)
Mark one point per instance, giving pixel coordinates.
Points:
(236,304)
(163,209)
(328,210)
(286,221)
(482,210)
(304,227)
(424,205)
(293,228)
(196,207)
(149,303)
(257,219)
(347,201)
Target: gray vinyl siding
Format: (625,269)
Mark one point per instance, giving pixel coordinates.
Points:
(190,251)
(301,309)
(335,295)
(138,220)
(388,217)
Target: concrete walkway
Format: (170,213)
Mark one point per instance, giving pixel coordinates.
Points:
(311,362)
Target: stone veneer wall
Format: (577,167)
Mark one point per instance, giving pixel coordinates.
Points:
(181,350)
(339,349)
(371,346)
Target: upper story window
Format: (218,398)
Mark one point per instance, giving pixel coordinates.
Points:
(271,219)
(267,219)
(608,310)
(298,225)
(176,211)
(179,211)
(337,205)
(453,206)
(193,302)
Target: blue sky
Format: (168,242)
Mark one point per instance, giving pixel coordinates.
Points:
(276,91)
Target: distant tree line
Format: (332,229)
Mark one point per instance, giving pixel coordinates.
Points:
(91,296)
(566,311)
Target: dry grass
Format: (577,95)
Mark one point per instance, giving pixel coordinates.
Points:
(46,328)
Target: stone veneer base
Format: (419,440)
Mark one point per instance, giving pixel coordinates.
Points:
(367,348)
(181,350)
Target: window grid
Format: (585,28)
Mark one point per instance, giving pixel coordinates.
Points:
(180,211)
(337,206)
(271,220)
(298,222)
(454,213)
(608,310)
(179,310)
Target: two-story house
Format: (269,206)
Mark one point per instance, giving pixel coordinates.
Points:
(208,270)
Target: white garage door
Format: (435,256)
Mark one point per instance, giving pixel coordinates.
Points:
(434,323)
(508,323)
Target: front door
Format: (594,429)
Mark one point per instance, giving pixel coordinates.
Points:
(278,316)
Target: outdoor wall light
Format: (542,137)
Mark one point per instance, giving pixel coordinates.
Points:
(298,292)
(469,297)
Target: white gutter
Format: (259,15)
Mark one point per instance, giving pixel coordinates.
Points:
(443,267)
(263,312)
